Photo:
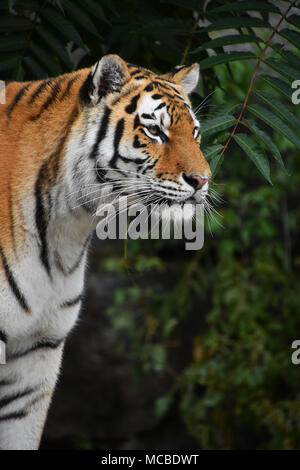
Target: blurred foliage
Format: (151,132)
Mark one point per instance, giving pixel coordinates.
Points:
(239,388)
(34,35)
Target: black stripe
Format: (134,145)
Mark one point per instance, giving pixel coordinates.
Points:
(3,337)
(161,134)
(16,100)
(138,161)
(41,218)
(161,105)
(140,77)
(147,116)
(163,85)
(100,174)
(118,136)
(170,110)
(150,166)
(136,122)
(39,90)
(12,282)
(137,144)
(69,86)
(68,271)
(16,415)
(51,98)
(72,302)
(46,344)
(131,107)
(6,400)
(101,132)
(5,382)
(149,87)
(86,89)
(135,72)
(156,96)
(177,119)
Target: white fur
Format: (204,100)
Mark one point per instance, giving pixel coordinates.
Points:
(190,80)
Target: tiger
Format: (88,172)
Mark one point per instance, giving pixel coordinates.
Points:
(66,141)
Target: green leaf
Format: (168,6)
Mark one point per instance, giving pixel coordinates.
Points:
(96,10)
(109,4)
(63,26)
(218,124)
(267,140)
(233,108)
(211,151)
(26,4)
(224,58)
(9,64)
(81,17)
(189,4)
(278,85)
(275,122)
(162,405)
(234,22)
(293,60)
(281,109)
(226,41)
(12,43)
(29,5)
(215,164)
(11,4)
(18,73)
(58,3)
(14,23)
(292,36)
(35,68)
(221,137)
(226,109)
(43,57)
(168,26)
(54,44)
(255,153)
(282,68)
(246,6)
(294,20)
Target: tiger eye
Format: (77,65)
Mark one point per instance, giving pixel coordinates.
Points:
(153,130)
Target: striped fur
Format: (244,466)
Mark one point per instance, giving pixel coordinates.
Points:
(68,143)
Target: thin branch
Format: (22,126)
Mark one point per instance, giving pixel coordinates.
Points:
(255,72)
(189,43)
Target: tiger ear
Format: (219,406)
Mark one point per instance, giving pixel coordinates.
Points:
(185,75)
(108,75)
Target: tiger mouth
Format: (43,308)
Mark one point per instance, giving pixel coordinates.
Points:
(190,200)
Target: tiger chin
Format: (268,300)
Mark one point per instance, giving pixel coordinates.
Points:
(67,144)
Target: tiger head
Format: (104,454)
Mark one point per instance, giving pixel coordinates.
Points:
(140,135)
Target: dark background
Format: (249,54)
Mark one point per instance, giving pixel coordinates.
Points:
(180,349)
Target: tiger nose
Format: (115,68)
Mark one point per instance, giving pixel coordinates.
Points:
(196,181)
